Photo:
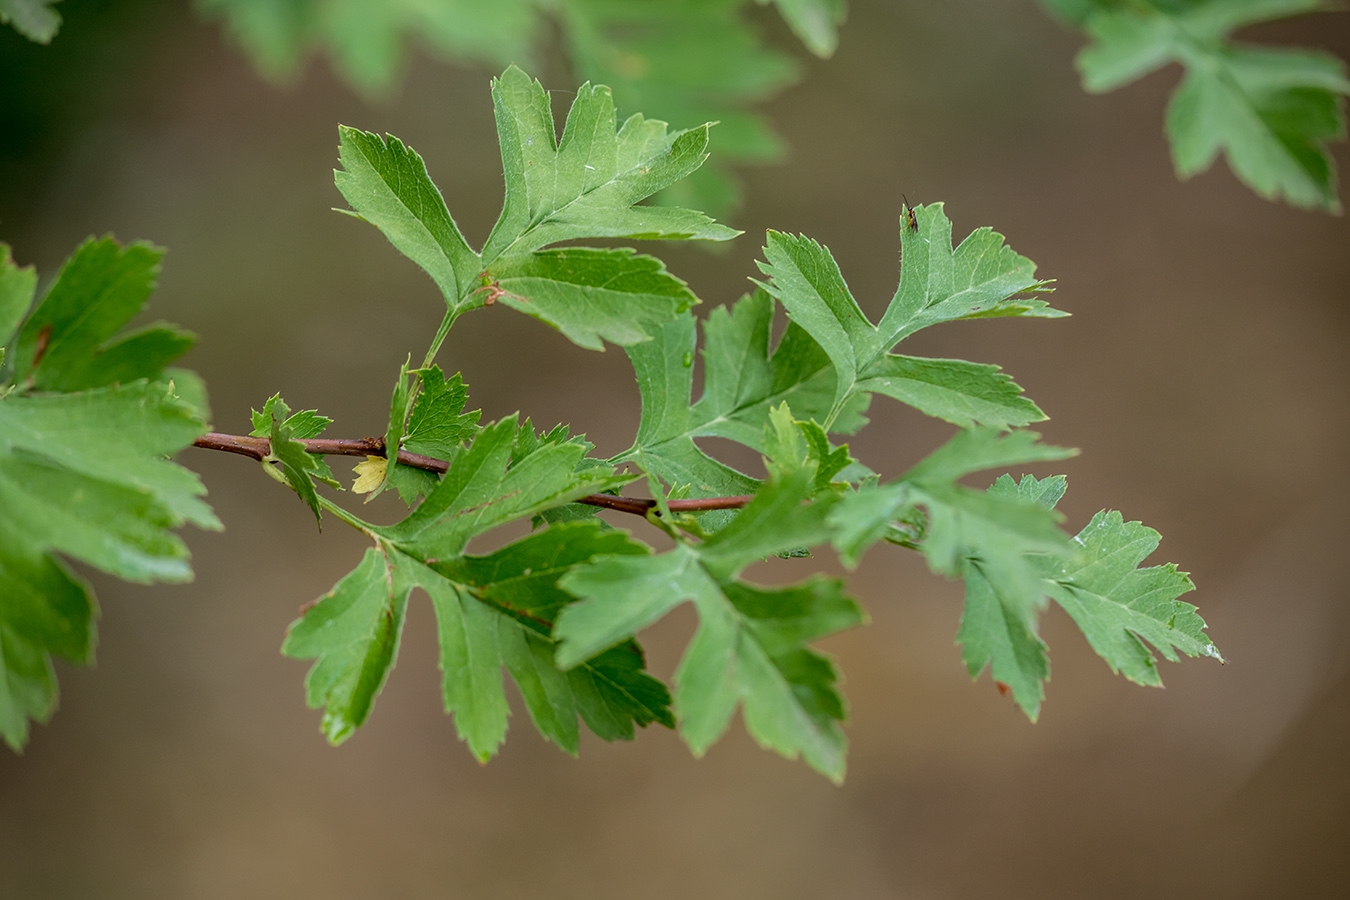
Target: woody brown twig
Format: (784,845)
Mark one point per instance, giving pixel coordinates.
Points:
(260,448)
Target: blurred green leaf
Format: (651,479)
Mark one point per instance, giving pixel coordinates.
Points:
(1270,111)
(34,19)
(84,472)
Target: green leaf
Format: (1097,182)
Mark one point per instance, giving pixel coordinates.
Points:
(438,426)
(590,295)
(16,294)
(586,184)
(83,475)
(954,390)
(1003,602)
(120,435)
(353,631)
(304,425)
(815,22)
(299,466)
(400,401)
(743,379)
(301,426)
(387,185)
(749,649)
(491,611)
(976,449)
(487,487)
(34,19)
(978,280)
(1270,111)
(47,611)
(71,342)
(1120,606)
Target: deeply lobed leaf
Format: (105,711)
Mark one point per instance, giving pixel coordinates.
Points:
(84,472)
(1270,111)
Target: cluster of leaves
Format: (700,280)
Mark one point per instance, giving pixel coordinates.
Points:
(1270,111)
(88,414)
(561,609)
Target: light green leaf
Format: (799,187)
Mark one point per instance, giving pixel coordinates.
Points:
(978,280)
(806,280)
(83,474)
(365,40)
(490,484)
(1003,600)
(954,390)
(1119,606)
(743,378)
(585,184)
(1272,113)
(749,649)
(750,645)
(47,611)
(387,184)
(120,435)
(590,295)
(976,449)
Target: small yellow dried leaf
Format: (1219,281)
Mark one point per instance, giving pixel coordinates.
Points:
(370,472)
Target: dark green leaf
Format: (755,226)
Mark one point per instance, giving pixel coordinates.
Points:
(71,340)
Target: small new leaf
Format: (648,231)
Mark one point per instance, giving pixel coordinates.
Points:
(438,426)
(299,466)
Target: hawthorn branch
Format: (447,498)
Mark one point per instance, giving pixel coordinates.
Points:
(260,448)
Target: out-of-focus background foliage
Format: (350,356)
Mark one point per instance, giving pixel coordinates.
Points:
(1204,374)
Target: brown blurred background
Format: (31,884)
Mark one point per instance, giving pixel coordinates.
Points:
(1203,375)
